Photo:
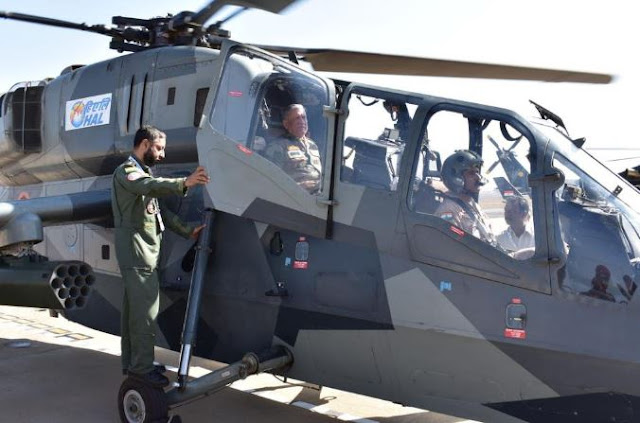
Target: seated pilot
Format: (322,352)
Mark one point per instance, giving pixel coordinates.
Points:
(295,153)
(461,176)
(519,235)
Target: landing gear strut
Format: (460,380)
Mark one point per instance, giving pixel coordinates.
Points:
(139,403)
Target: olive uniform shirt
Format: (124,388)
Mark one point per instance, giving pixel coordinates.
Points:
(299,158)
(467,216)
(138,220)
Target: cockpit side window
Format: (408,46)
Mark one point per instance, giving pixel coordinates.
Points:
(601,241)
(275,111)
(376,133)
(473,172)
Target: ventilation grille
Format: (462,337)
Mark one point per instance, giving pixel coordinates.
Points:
(26,108)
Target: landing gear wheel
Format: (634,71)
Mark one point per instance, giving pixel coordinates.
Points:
(140,403)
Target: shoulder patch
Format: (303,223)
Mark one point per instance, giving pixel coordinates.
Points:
(134,176)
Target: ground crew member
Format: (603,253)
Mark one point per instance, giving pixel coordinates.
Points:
(295,153)
(139,224)
(461,175)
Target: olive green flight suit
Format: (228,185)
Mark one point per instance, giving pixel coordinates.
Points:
(138,226)
(299,158)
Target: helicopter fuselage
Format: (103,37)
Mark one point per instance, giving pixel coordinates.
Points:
(370,289)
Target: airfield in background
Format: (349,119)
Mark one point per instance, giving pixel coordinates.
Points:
(57,371)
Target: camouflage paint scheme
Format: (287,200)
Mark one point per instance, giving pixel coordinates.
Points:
(391,305)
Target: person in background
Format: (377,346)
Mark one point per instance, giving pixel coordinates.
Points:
(599,284)
(519,235)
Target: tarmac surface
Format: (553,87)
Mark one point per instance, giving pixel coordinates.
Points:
(56,371)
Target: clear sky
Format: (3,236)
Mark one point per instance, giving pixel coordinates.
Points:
(583,35)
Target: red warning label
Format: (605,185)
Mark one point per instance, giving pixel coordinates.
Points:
(457,230)
(300,264)
(515,333)
(244,149)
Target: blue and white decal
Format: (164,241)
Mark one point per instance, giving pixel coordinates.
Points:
(87,112)
(445,286)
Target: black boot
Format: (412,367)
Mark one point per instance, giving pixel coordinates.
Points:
(160,368)
(153,378)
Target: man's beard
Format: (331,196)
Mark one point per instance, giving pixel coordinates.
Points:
(148,158)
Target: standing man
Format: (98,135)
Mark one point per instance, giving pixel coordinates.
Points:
(461,175)
(139,224)
(295,153)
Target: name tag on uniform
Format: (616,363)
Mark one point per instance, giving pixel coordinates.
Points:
(294,152)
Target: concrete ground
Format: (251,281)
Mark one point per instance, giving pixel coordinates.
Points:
(56,371)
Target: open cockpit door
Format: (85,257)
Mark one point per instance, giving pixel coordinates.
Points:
(374,130)
(258,169)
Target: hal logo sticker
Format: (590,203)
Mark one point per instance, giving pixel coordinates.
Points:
(87,112)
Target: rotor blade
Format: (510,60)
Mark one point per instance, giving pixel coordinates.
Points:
(359,62)
(493,166)
(273,6)
(514,145)
(100,29)
(495,144)
(231,16)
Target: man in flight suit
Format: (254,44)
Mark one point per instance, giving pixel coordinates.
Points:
(461,175)
(139,224)
(295,153)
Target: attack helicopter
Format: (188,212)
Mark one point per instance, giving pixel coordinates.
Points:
(358,285)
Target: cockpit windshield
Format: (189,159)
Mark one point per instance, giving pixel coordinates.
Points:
(607,179)
(600,227)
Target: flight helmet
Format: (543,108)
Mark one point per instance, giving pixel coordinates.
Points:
(454,167)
